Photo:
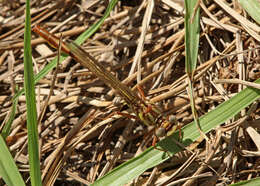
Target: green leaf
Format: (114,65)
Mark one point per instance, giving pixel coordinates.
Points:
(192,32)
(8,169)
(7,128)
(252,182)
(252,7)
(33,147)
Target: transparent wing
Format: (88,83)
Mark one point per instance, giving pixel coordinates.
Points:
(89,62)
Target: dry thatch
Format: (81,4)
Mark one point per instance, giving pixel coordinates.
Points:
(80,126)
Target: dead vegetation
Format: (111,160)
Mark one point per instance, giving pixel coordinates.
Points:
(81,135)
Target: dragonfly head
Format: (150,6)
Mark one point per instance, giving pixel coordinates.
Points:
(160,132)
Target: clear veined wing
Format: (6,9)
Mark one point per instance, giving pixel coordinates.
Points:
(89,62)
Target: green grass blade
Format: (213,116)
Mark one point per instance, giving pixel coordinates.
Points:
(8,169)
(152,157)
(7,128)
(191,35)
(251,182)
(252,7)
(35,173)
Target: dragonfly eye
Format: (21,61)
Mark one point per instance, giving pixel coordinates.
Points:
(172,119)
(160,132)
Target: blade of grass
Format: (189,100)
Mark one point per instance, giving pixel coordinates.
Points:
(6,130)
(251,182)
(191,35)
(252,7)
(152,157)
(8,169)
(33,147)
(191,50)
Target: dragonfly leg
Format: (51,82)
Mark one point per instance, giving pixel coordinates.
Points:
(141,91)
(126,115)
(155,139)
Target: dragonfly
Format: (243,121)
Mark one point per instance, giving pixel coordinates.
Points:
(148,113)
